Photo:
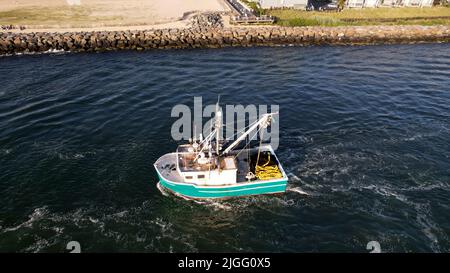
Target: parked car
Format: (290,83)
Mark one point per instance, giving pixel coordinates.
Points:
(333,6)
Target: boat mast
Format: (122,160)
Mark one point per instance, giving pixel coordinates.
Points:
(218,128)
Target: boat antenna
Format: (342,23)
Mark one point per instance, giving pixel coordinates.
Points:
(195,133)
(218,124)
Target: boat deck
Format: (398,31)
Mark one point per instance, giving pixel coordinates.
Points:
(166,165)
(243,166)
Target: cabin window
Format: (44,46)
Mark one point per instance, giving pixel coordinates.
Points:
(201,176)
(188,177)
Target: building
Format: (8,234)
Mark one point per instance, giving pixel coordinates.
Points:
(388,3)
(412,3)
(372,3)
(301,4)
(427,3)
(355,3)
(418,3)
(296,4)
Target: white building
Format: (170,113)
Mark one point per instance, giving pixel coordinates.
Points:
(296,4)
(412,3)
(372,3)
(301,4)
(427,3)
(388,3)
(418,3)
(364,3)
(355,3)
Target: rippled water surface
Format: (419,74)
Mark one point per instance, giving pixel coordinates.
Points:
(365,139)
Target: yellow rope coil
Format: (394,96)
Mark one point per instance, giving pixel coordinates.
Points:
(265,172)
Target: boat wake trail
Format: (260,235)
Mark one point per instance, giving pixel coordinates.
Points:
(161,189)
(297,190)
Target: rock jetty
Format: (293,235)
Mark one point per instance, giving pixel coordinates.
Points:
(206,21)
(216,36)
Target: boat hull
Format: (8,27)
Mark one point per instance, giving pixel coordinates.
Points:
(239,189)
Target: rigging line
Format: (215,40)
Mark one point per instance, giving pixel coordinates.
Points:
(203,147)
(259,149)
(240,120)
(208,136)
(233,123)
(242,130)
(229,126)
(238,132)
(248,158)
(234,135)
(248,142)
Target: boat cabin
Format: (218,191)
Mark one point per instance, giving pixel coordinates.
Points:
(205,168)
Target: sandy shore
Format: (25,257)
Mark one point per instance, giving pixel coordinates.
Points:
(180,24)
(89,15)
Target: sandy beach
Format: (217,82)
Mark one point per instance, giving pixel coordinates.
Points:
(77,15)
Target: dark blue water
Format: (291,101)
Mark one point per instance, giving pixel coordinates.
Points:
(365,133)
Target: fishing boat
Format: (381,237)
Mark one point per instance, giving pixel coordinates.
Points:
(209,167)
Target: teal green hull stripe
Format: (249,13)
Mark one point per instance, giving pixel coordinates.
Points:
(214,192)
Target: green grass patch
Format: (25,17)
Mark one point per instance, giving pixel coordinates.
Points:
(254,6)
(368,16)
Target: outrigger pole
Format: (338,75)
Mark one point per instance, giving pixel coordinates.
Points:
(263,121)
